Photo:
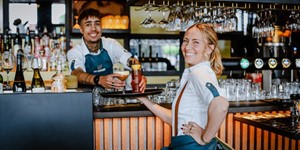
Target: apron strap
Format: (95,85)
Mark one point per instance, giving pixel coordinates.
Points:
(176,109)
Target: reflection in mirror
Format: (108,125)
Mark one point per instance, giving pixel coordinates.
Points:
(17,17)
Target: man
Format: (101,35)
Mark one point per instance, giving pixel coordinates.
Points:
(92,61)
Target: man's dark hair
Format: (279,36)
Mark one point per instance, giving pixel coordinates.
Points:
(89,13)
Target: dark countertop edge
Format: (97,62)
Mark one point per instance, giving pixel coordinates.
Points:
(123,114)
(234,107)
(268,128)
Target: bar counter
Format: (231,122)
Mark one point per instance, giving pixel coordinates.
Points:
(68,120)
(135,127)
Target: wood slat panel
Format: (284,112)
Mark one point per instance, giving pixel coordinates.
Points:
(97,133)
(107,134)
(133,133)
(142,132)
(237,134)
(293,144)
(151,133)
(125,133)
(158,133)
(229,135)
(273,141)
(280,142)
(251,138)
(167,134)
(258,138)
(116,134)
(286,143)
(244,138)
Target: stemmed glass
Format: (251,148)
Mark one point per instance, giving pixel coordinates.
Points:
(8,62)
(149,22)
(163,23)
(124,75)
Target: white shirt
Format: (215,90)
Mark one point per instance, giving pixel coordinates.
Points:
(196,97)
(115,51)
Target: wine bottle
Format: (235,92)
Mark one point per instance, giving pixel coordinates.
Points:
(37,84)
(19,82)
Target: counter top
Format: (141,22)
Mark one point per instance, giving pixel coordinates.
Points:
(280,123)
(139,110)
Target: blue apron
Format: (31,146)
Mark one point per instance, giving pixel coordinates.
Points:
(100,64)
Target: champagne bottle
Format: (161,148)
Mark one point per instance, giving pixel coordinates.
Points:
(19,82)
(37,84)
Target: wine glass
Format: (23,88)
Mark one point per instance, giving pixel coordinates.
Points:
(8,62)
(36,62)
(124,75)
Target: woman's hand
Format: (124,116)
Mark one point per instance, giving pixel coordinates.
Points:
(195,131)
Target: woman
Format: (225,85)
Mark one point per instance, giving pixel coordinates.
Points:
(201,106)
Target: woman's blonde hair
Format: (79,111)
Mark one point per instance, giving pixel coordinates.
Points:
(211,36)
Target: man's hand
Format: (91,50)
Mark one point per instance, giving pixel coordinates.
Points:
(142,84)
(111,81)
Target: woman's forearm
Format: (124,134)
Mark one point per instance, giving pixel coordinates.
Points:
(162,112)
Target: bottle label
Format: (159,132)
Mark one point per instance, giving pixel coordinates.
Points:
(19,89)
(38,90)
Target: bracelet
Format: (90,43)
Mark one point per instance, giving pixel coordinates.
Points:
(203,140)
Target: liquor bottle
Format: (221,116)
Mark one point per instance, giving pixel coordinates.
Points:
(136,76)
(37,84)
(28,48)
(1,84)
(9,45)
(46,42)
(37,44)
(19,82)
(62,39)
(58,80)
(28,43)
(17,42)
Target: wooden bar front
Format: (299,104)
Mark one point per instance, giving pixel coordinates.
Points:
(144,131)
